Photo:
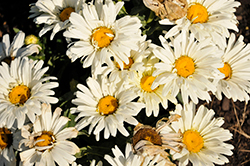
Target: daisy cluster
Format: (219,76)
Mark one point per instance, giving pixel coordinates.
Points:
(132,77)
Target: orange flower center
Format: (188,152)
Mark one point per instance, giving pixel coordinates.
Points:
(146,83)
(193,141)
(185,66)
(107,105)
(47,138)
(197,14)
(19,94)
(65,14)
(5,138)
(226,70)
(102,37)
(126,66)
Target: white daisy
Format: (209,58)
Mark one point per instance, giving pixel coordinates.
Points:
(54,14)
(141,85)
(104,106)
(202,136)
(10,51)
(235,83)
(46,140)
(207,18)
(152,141)
(187,67)
(22,89)
(129,70)
(131,159)
(9,140)
(101,35)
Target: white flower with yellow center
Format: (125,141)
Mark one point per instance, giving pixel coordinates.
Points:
(22,90)
(131,159)
(9,140)
(141,85)
(187,67)
(104,106)
(54,14)
(46,140)
(202,136)
(235,83)
(101,35)
(10,51)
(207,18)
(129,70)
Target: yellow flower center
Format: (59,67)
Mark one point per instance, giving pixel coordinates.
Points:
(19,94)
(107,105)
(148,134)
(102,37)
(185,66)
(126,66)
(31,39)
(5,138)
(47,138)
(227,70)
(197,14)
(65,14)
(193,140)
(146,83)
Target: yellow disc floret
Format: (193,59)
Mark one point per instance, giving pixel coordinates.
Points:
(193,141)
(146,83)
(107,105)
(126,66)
(197,14)
(185,66)
(102,37)
(46,139)
(19,94)
(227,70)
(31,39)
(5,138)
(65,14)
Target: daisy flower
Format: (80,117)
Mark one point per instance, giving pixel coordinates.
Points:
(235,83)
(141,85)
(10,51)
(187,67)
(9,140)
(46,140)
(129,70)
(151,141)
(22,89)
(202,136)
(130,158)
(207,18)
(101,36)
(54,14)
(104,106)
